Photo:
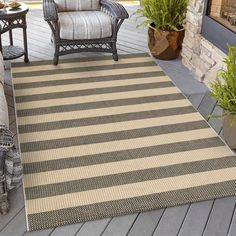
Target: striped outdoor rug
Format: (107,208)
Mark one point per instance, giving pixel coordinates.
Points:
(100,138)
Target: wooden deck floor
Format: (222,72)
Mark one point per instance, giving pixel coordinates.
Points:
(209,218)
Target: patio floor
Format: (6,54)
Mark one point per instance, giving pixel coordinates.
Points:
(209,218)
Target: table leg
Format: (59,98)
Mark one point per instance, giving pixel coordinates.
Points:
(10,37)
(1,43)
(25,45)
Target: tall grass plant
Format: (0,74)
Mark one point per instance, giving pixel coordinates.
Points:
(165,14)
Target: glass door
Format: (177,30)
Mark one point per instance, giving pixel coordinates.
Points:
(224,11)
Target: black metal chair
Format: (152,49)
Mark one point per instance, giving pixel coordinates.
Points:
(84,25)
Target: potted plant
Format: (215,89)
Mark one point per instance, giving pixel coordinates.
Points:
(165,20)
(224,90)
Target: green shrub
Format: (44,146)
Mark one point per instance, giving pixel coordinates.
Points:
(224,87)
(165,14)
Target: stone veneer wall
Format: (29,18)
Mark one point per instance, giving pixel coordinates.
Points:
(198,54)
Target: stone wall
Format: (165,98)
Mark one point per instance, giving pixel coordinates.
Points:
(198,54)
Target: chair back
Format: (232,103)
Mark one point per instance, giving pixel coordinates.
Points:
(77,5)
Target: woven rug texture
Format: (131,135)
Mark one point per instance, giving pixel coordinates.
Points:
(100,138)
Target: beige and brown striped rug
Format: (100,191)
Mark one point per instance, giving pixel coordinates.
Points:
(100,138)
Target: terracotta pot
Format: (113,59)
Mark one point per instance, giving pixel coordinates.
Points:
(229,130)
(165,45)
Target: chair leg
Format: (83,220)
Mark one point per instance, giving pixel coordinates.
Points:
(115,54)
(56,55)
(55,60)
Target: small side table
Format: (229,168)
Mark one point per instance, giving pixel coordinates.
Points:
(9,20)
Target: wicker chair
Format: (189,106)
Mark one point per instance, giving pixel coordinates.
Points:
(84,25)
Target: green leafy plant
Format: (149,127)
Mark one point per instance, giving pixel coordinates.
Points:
(164,14)
(224,87)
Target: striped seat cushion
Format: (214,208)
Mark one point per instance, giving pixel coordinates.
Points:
(84,25)
(77,5)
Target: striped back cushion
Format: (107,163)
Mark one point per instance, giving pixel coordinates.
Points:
(77,5)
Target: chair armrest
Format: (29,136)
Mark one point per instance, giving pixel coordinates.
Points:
(115,9)
(50,10)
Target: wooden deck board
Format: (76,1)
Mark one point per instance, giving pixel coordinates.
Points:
(196,99)
(215,123)
(196,219)
(40,233)
(16,226)
(95,228)
(232,228)
(220,217)
(68,230)
(120,226)
(171,221)
(207,106)
(17,204)
(146,223)
(191,219)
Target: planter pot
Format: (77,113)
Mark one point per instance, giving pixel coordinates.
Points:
(229,130)
(165,45)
